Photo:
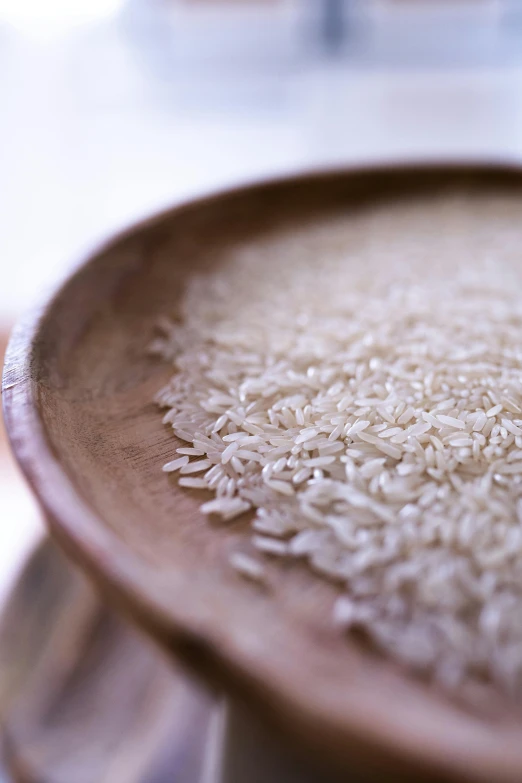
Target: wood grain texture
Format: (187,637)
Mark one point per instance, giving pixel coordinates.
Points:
(22,525)
(77,391)
(82,697)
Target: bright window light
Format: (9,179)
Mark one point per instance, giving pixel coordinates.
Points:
(50,17)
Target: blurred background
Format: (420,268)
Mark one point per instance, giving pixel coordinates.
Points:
(112,108)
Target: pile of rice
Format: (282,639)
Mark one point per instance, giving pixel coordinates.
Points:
(359,387)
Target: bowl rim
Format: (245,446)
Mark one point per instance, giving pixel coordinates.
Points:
(105,557)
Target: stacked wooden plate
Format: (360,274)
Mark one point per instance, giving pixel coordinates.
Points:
(83,697)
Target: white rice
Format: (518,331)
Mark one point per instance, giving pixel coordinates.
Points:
(359,386)
(247,566)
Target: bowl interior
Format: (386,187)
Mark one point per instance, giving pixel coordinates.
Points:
(78,394)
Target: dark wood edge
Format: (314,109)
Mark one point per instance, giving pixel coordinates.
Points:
(123,578)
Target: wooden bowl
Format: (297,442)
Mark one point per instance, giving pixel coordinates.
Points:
(78,386)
